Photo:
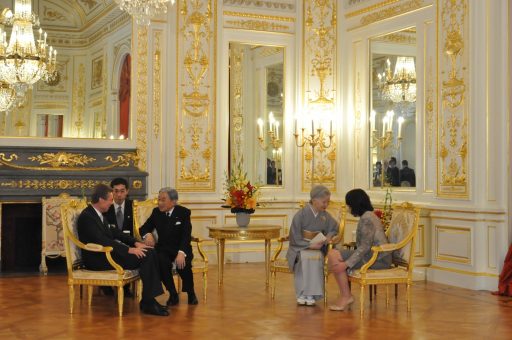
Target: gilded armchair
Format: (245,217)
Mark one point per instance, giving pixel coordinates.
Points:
(141,212)
(279,264)
(401,235)
(77,275)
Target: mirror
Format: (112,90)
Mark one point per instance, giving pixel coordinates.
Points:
(256,111)
(392,115)
(91,96)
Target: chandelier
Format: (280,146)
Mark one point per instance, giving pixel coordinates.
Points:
(24,60)
(143,10)
(401,85)
(7,97)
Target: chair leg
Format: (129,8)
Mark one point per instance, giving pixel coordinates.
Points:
(326,277)
(273,293)
(387,295)
(371,293)
(89,295)
(361,300)
(138,284)
(120,299)
(408,295)
(205,285)
(71,298)
(396,291)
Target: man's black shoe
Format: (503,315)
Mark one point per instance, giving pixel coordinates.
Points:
(107,290)
(153,308)
(174,299)
(192,299)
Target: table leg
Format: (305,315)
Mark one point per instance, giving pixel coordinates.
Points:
(267,260)
(220,259)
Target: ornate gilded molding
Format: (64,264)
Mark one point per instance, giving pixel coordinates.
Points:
(236,79)
(196,79)
(142,95)
(429,107)
(256,25)
(63,161)
(258,16)
(357,118)
(262,4)
(79,99)
(319,57)
(370,8)
(452,169)
(389,12)
(43,184)
(157,83)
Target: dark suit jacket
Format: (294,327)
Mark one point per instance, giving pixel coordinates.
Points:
(174,232)
(407,174)
(393,176)
(92,230)
(128,216)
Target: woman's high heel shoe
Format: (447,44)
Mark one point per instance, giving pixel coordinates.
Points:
(342,307)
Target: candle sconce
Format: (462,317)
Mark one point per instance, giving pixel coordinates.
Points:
(273,140)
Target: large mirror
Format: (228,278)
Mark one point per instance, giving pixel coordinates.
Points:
(256,111)
(392,116)
(90,96)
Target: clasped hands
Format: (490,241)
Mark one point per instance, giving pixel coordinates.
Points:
(149,242)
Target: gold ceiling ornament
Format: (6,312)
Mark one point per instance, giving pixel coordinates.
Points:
(23,59)
(144,10)
(62,159)
(400,85)
(453,113)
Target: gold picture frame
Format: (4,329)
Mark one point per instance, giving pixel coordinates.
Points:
(97,73)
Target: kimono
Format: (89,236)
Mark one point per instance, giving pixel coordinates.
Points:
(308,264)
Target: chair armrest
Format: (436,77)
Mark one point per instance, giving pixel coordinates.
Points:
(97,248)
(386,247)
(280,242)
(198,242)
(376,250)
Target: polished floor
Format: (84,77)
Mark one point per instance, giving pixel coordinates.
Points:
(36,307)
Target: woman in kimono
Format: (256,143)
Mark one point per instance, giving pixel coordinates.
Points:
(369,233)
(305,258)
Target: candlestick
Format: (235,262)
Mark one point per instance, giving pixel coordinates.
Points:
(295,125)
(400,122)
(330,128)
(260,128)
(276,125)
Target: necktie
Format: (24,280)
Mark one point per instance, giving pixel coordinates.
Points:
(119,217)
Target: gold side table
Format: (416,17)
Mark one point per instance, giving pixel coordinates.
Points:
(253,232)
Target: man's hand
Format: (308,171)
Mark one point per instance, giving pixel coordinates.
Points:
(180,260)
(139,252)
(141,245)
(149,240)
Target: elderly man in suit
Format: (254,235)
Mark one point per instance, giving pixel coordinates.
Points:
(174,229)
(93,228)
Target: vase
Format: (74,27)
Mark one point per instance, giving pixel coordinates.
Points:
(242,219)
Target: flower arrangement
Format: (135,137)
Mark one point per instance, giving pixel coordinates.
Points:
(385,214)
(239,194)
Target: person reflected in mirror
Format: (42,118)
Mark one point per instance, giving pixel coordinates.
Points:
(172,224)
(392,173)
(369,233)
(279,177)
(120,215)
(93,227)
(407,175)
(271,172)
(377,174)
(304,255)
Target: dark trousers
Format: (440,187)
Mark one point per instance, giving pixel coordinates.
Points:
(148,271)
(165,259)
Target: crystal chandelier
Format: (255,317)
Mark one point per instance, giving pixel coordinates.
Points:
(7,97)
(401,86)
(24,60)
(143,10)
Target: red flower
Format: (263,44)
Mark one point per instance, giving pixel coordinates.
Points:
(379,213)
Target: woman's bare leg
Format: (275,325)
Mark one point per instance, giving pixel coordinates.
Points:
(340,276)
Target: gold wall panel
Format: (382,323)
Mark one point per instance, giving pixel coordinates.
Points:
(142,95)
(196,91)
(453,124)
(79,100)
(157,82)
(319,86)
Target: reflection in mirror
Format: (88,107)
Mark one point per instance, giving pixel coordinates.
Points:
(256,106)
(90,95)
(393,109)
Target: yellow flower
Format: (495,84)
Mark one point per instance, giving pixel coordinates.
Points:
(251,203)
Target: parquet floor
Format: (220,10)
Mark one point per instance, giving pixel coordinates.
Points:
(36,307)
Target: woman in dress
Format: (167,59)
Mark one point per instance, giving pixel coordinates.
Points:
(369,233)
(305,258)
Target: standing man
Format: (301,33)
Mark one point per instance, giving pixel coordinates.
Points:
(127,252)
(120,213)
(172,223)
(392,173)
(407,175)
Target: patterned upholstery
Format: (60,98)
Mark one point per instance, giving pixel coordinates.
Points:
(77,276)
(141,212)
(279,264)
(401,235)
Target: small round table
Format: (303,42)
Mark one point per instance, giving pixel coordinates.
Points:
(253,232)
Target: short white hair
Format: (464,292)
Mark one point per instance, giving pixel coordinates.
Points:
(171,192)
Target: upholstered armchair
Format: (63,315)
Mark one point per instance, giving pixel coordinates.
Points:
(279,264)
(401,235)
(77,275)
(141,212)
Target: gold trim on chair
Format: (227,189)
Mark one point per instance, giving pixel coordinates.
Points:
(77,276)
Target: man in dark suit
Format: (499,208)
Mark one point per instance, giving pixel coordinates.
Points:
(120,214)
(93,228)
(392,173)
(407,175)
(172,223)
